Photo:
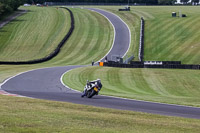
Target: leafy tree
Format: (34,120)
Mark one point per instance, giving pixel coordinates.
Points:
(184,1)
(1,8)
(195,1)
(166,2)
(105,1)
(7,6)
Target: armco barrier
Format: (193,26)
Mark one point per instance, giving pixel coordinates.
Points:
(52,54)
(141,45)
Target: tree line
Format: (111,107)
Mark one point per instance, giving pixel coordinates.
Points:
(146,2)
(8,6)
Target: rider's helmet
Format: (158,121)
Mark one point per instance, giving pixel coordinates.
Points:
(88,82)
(99,80)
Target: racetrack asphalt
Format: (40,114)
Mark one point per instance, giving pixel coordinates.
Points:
(45,83)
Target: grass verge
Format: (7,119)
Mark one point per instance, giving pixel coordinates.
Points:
(31,115)
(33,35)
(166,38)
(91,40)
(159,85)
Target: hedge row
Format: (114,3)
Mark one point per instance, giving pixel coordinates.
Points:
(8,6)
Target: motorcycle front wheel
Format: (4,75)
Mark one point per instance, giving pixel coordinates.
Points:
(91,93)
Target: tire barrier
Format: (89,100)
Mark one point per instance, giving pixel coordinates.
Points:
(141,45)
(52,54)
(153,64)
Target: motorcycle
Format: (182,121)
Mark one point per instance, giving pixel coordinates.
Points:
(92,88)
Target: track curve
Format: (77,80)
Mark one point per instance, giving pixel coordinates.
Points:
(45,83)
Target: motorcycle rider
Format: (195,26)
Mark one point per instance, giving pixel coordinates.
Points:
(96,82)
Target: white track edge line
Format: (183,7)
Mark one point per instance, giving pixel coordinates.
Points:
(115,31)
(5,81)
(126,26)
(96,62)
(113,37)
(61,80)
(126,98)
(1,84)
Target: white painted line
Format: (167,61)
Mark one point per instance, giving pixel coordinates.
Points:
(6,93)
(151,102)
(126,98)
(16,76)
(61,80)
(23,73)
(127,27)
(113,37)
(114,32)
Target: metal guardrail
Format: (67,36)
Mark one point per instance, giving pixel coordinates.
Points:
(128,59)
(141,45)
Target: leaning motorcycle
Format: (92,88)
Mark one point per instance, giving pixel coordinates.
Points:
(91,89)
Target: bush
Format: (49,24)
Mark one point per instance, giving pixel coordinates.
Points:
(1,8)
(8,6)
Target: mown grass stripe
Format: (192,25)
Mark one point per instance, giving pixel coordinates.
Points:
(160,37)
(91,39)
(130,82)
(78,37)
(84,41)
(175,43)
(168,86)
(164,37)
(30,38)
(95,45)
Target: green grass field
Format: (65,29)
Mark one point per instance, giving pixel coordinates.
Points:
(133,22)
(33,35)
(92,32)
(37,33)
(31,115)
(91,40)
(159,85)
(166,38)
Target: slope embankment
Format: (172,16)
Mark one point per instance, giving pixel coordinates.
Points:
(54,53)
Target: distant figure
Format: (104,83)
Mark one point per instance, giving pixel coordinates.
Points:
(106,59)
(92,63)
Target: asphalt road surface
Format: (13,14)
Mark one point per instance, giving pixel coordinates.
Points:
(45,83)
